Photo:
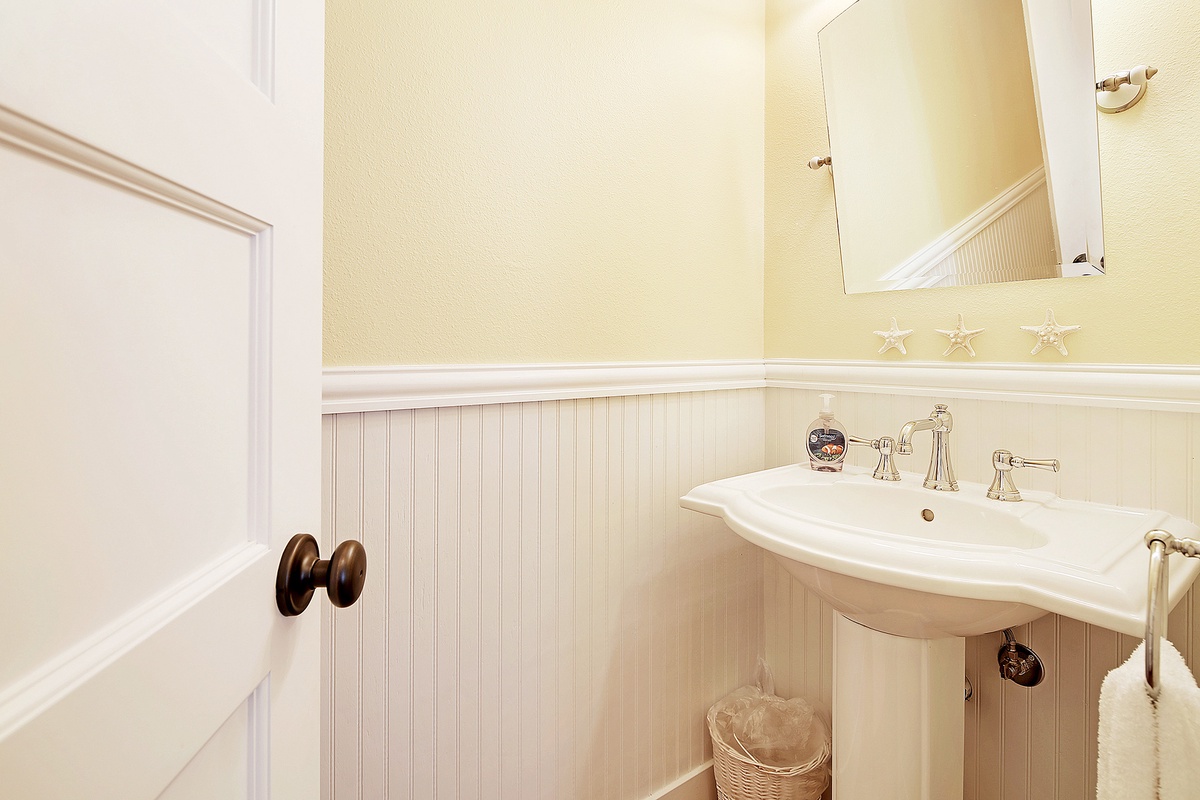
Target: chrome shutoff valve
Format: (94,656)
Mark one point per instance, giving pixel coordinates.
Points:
(1018,663)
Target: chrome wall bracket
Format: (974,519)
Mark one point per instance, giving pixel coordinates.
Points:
(1123,90)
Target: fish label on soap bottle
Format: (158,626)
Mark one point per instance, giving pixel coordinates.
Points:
(826,445)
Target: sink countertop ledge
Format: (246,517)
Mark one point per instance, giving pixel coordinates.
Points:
(1087,561)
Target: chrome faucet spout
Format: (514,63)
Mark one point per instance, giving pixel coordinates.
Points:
(904,440)
(940,476)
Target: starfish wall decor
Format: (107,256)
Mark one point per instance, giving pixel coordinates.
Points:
(893,338)
(1050,334)
(961,337)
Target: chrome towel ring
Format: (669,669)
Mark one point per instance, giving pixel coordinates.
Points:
(1161,545)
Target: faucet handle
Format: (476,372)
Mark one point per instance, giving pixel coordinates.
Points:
(1005,462)
(885,470)
(1051,464)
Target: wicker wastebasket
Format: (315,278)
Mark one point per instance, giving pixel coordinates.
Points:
(740,777)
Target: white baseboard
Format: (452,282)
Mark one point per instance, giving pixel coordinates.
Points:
(699,784)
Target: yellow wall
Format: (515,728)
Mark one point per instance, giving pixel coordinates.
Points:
(528,182)
(533,181)
(907,120)
(1145,310)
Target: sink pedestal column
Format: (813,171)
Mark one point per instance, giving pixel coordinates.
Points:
(897,715)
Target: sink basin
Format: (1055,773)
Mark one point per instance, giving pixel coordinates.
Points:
(902,512)
(904,560)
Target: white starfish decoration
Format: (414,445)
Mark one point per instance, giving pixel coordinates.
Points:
(893,338)
(1050,333)
(961,337)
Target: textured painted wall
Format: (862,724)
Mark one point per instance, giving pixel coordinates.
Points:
(1143,310)
(543,182)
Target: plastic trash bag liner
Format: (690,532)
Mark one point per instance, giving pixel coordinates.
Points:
(770,730)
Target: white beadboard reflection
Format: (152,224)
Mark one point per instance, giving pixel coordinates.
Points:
(540,619)
(1016,246)
(1020,743)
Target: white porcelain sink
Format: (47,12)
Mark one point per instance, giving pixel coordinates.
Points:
(908,561)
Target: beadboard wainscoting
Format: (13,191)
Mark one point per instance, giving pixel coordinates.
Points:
(540,619)
(1115,447)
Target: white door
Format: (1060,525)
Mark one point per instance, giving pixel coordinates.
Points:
(160,252)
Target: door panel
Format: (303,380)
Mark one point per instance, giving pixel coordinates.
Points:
(131,708)
(224,768)
(239,30)
(126,454)
(160,346)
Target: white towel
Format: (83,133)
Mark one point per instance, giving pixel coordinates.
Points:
(1147,751)
(1127,768)
(1178,709)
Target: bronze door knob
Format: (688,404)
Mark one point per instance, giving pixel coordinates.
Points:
(302,571)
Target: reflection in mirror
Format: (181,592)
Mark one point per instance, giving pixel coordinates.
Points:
(963,140)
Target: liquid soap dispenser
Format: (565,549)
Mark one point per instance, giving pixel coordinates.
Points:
(826,439)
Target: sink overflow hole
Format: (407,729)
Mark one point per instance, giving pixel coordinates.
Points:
(927,515)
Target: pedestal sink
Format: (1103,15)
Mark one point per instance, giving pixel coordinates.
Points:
(910,572)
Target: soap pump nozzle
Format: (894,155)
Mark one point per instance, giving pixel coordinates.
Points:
(826,406)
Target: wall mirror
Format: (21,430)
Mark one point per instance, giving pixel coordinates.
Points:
(963,141)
